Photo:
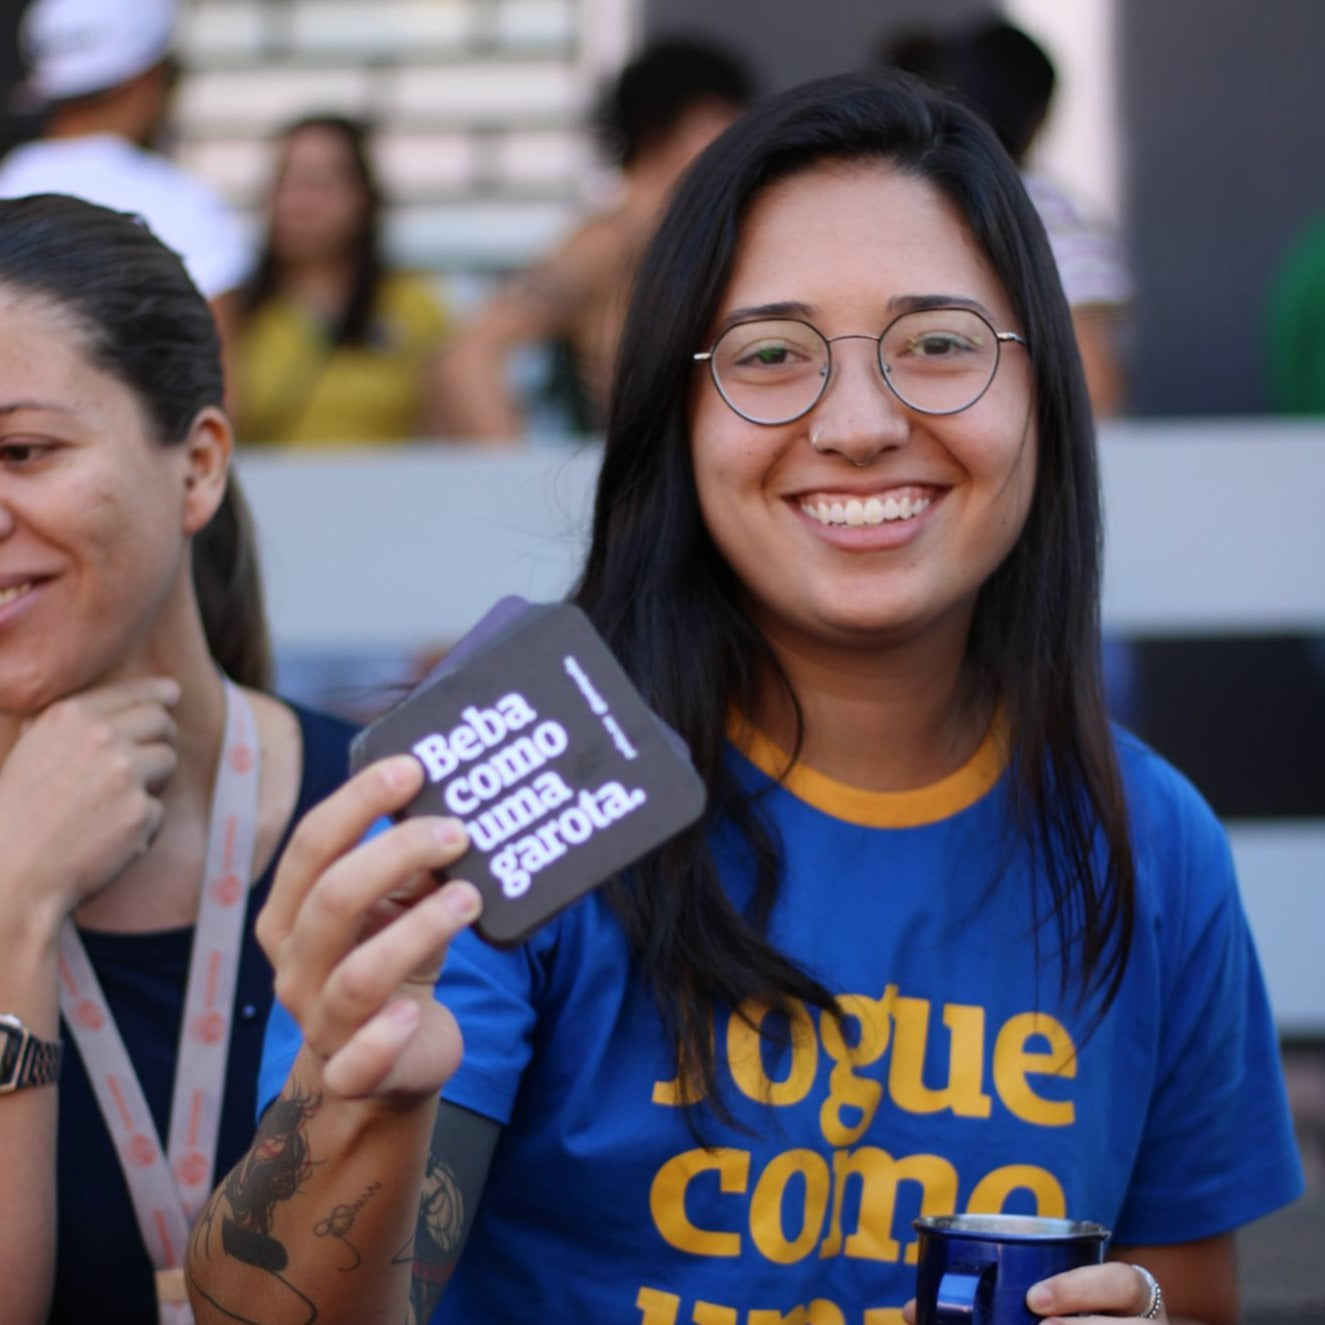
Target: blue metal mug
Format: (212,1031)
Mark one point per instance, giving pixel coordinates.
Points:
(975,1269)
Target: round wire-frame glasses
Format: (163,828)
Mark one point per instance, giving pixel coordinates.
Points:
(934,360)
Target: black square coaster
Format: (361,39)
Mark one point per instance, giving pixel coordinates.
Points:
(532,735)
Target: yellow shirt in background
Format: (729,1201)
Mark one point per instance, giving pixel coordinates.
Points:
(294,388)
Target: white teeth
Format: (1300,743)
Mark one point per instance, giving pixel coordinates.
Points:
(871,511)
(17,591)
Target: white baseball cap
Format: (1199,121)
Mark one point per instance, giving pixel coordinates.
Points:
(74,47)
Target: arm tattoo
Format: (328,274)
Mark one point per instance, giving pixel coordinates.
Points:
(457,1166)
(273,1170)
(341,1220)
(436,1238)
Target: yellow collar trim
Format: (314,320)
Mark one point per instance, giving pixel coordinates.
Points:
(881,809)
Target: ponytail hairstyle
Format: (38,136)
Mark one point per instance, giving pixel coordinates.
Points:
(659,591)
(228,582)
(144,322)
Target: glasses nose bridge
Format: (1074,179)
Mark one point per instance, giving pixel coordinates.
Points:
(853,335)
(877,340)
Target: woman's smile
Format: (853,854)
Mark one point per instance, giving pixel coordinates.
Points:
(15,591)
(889,506)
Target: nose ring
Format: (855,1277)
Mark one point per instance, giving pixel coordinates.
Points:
(819,450)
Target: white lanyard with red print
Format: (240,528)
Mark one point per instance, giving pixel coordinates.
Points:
(168,1189)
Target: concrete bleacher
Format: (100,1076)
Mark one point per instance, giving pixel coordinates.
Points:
(479,108)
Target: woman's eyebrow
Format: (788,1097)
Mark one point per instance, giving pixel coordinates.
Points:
(760,312)
(900,303)
(14,406)
(919,303)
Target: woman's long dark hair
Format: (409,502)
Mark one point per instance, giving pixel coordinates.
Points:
(355,319)
(659,591)
(144,321)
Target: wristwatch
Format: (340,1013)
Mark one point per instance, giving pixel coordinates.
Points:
(24,1059)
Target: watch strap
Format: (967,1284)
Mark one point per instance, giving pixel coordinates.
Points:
(26,1060)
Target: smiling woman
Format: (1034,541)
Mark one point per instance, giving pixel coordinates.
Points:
(143,792)
(958,481)
(944,941)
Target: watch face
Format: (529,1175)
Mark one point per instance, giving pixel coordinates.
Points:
(10,1046)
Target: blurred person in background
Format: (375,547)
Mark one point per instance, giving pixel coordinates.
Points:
(665,106)
(1009,79)
(147,781)
(18,118)
(104,73)
(334,346)
(1295,325)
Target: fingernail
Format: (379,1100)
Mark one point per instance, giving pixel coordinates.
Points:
(463,899)
(399,772)
(449,832)
(1039,1298)
(403,1013)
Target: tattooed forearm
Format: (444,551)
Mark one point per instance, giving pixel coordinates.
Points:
(277,1163)
(239,1216)
(341,1220)
(457,1166)
(275,1167)
(302,1229)
(437,1237)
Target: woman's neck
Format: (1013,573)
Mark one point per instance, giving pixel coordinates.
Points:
(320,283)
(881,720)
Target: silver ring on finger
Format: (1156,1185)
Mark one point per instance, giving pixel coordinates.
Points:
(1156,1303)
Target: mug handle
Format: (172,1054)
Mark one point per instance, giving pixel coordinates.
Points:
(958,1291)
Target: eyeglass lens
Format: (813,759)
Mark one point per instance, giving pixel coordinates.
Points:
(937,360)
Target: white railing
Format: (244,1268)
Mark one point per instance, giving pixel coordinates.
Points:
(1214,527)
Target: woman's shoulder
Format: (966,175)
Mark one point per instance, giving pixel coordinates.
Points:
(1179,843)
(414,296)
(326,738)
(312,743)
(305,757)
(1155,787)
(276,315)
(322,721)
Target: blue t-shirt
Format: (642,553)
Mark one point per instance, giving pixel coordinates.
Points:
(960,1078)
(103,1272)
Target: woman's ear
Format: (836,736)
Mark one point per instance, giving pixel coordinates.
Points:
(207,450)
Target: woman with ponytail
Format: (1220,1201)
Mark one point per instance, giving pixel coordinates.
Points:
(147,782)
